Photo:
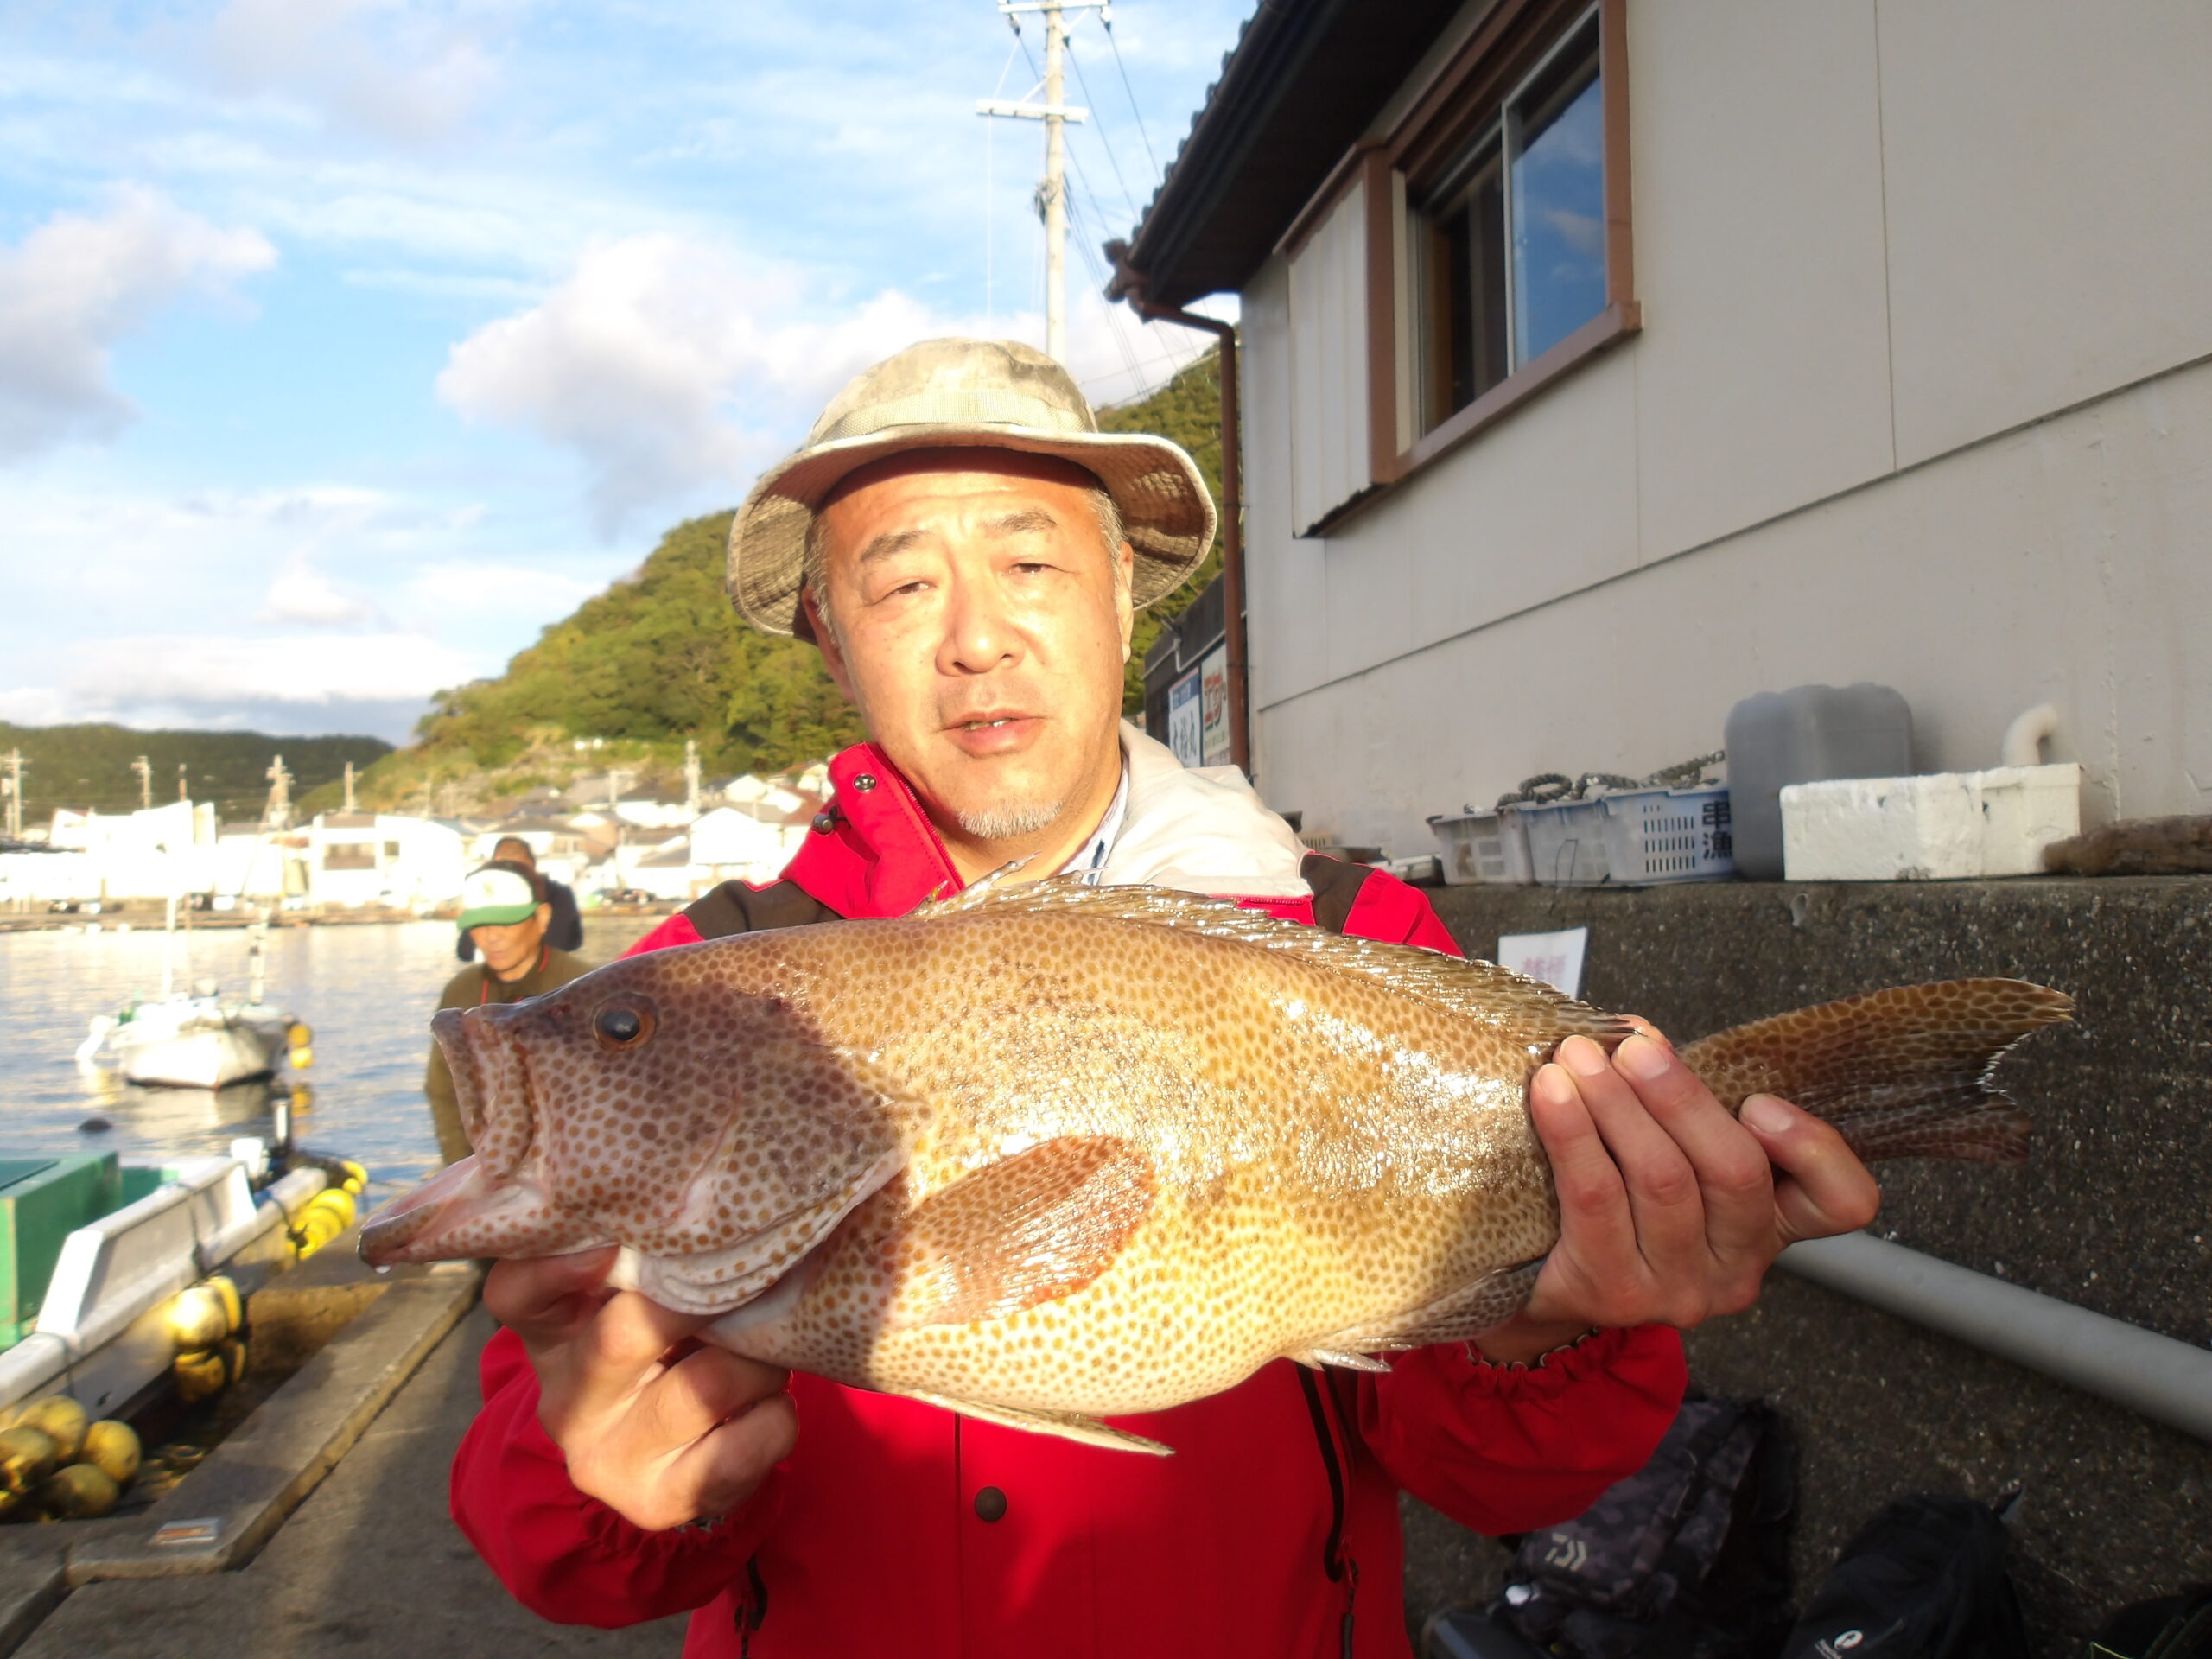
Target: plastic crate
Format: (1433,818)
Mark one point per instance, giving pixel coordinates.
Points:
(1482,846)
(1567,843)
(1669,834)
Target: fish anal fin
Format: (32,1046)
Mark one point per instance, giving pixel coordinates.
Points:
(1032,1227)
(1478,990)
(1901,1074)
(1462,1315)
(1316,1358)
(1065,1425)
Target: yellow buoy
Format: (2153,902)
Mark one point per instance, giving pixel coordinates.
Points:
(357,1178)
(62,1419)
(26,1457)
(113,1448)
(79,1492)
(299,1034)
(197,1319)
(302,1058)
(199,1376)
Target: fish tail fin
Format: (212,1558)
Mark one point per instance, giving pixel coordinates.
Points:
(1901,1074)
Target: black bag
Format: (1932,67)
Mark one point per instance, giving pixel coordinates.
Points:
(1923,1579)
(1687,1558)
(2172,1627)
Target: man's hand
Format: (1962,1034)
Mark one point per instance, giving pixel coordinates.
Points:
(1671,1211)
(659,1440)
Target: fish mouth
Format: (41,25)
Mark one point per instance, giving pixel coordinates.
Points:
(408,1228)
(467,1210)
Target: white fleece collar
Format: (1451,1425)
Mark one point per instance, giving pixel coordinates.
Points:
(1201,829)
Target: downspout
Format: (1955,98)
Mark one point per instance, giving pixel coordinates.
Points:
(1128,284)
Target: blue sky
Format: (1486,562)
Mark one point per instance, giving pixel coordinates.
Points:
(346,343)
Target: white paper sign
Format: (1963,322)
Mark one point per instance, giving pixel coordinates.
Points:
(1555,959)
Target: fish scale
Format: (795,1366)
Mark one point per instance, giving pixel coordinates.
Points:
(1048,1154)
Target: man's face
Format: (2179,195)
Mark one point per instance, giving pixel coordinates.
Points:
(509,949)
(979,626)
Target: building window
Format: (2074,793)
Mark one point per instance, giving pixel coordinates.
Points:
(1457,264)
(1508,243)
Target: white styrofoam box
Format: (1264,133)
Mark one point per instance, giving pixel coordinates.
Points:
(1566,842)
(1489,846)
(1945,826)
(1670,835)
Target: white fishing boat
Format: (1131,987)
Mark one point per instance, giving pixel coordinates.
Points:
(107,1255)
(198,1038)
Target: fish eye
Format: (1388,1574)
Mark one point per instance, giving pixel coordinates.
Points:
(623,1024)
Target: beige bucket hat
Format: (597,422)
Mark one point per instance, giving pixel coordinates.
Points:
(985,394)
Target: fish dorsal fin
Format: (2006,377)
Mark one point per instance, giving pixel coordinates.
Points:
(1476,990)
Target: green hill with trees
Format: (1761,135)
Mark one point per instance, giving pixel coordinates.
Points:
(90,766)
(660,657)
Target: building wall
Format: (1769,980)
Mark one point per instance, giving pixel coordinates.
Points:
(1923,395)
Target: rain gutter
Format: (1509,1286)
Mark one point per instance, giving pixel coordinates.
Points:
(2165,1380)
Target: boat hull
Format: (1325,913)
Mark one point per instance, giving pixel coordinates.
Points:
(197,1059)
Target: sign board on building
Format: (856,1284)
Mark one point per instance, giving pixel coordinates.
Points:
(1186,727)
(1213,704)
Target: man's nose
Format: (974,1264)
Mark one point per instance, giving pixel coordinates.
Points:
(980,633)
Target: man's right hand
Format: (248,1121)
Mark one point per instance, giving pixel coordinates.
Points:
(660,1443)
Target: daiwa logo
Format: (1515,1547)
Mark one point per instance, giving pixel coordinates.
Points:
(1568,1553)
(1832,1647)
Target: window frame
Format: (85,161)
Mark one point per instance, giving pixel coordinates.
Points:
(1443,119)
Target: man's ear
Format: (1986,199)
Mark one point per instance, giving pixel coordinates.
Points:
(1125,569)
(545,915)
(825,641)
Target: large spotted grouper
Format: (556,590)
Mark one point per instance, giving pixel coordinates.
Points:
(1045,1154)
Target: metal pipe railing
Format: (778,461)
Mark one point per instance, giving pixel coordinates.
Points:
(2167,1381)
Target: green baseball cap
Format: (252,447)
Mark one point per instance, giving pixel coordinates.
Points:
(496,895)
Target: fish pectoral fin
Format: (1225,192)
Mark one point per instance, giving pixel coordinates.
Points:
(1463,1314)
(1066,1425)
(1029,1229)
(1343,1359)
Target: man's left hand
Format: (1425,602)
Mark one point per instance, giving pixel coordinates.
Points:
(1671,1209)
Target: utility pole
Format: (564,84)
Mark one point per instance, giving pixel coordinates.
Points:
(278,814)
(182,794)
(1051,191)
(349,786)
(145,770)
(691,776)
(14,762)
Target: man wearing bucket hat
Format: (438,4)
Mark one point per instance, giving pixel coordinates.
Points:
(968,550)
(504,914)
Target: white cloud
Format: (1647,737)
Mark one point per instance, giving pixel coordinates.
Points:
(392,70)
(669,364)
(76,286)
(303,596)
(488,589)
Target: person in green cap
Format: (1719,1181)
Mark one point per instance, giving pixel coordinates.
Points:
(504,914)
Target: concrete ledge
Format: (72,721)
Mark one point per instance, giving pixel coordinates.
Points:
(32,1582)
(220,1514)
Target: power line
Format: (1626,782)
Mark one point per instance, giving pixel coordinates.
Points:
(1143,136)
(1105,143)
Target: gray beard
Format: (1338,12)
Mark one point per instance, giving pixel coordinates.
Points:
(1010,822)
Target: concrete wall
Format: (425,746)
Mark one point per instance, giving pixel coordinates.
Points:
(1922,397)
(2108,1213)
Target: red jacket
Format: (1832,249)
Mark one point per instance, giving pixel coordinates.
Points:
(1274,1524)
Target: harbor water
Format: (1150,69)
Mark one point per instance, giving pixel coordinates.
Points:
(367,991)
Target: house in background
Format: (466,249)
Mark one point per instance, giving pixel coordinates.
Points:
(1603,365)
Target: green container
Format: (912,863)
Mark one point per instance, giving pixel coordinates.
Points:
(42,1201)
